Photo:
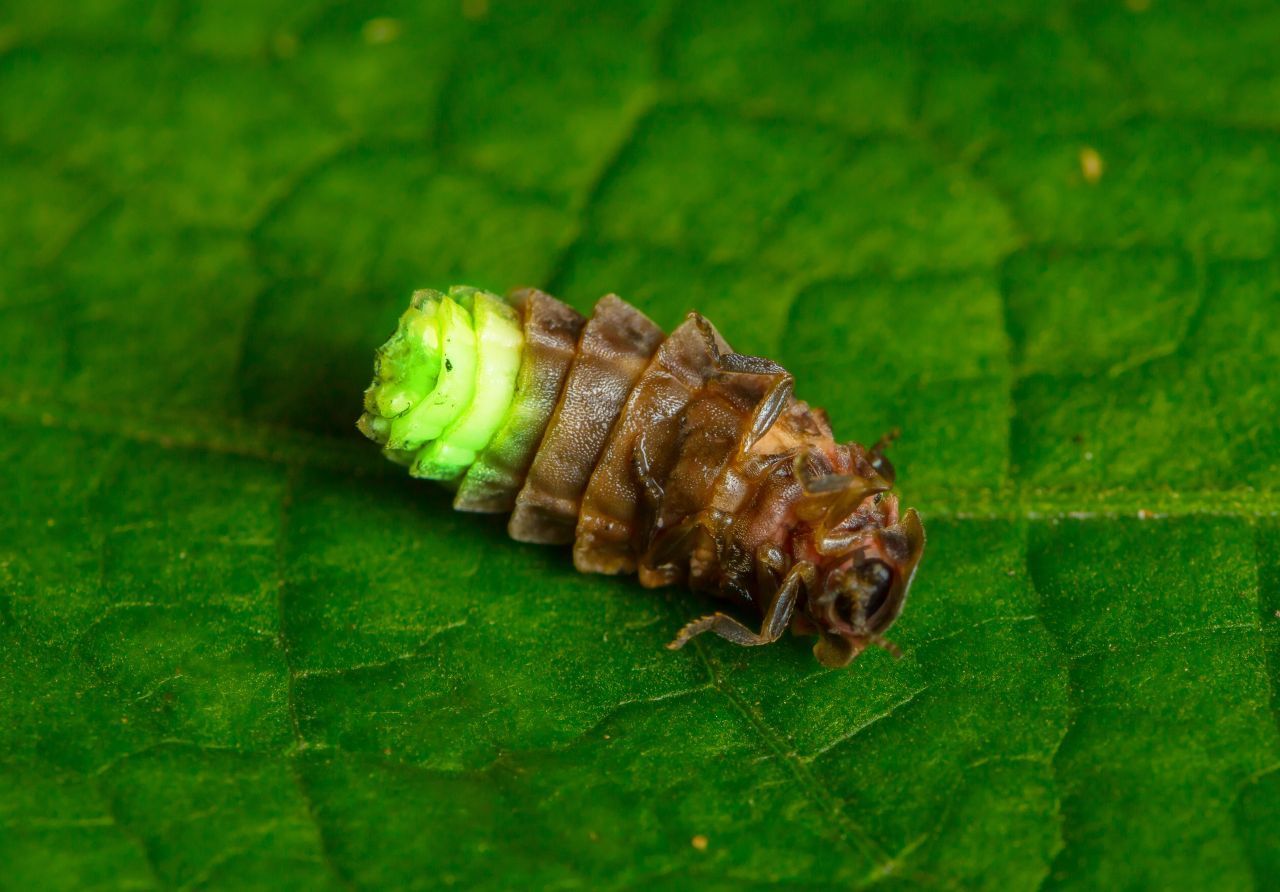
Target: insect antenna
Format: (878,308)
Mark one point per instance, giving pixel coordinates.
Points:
(886,441)
(879,460)
(886,645)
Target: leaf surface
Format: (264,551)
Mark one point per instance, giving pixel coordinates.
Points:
(237,648)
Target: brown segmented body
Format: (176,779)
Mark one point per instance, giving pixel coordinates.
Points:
(551,331)
(681,461)
(615,347)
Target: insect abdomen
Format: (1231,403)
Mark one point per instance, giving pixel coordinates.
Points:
(624,489)
(613,351)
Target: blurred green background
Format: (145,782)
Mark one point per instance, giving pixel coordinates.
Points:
(238,650)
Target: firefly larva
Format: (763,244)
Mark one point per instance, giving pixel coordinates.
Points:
(668,456)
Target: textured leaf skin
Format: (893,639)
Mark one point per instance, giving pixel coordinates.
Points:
(236,650)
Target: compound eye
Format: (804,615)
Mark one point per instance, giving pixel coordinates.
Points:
(877,581)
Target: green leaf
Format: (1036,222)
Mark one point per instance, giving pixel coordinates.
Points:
(239,649)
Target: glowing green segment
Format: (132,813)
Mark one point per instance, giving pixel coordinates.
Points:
(445,381)
(499,344)
(406,366)
(453,388)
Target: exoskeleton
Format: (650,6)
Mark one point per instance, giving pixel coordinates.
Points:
(671,457)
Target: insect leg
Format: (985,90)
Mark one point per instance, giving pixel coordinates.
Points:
(776,397)
(771,569)
(775,621)
(816,484)
(675,543)
(667,550)
(641,466)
